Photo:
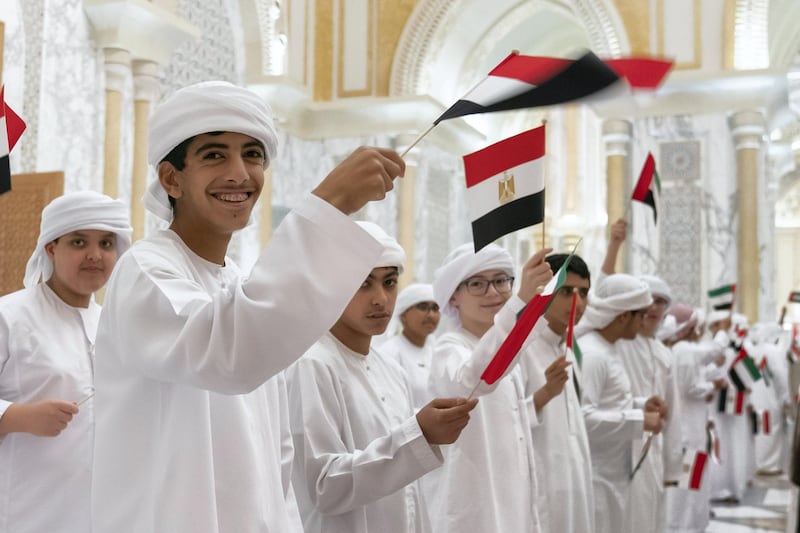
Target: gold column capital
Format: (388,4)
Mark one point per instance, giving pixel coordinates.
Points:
(617,136)
(146,86)
(748,128)
(117,66)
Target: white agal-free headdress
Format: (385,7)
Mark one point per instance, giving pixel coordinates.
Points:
(613,296)
(204,108)
(393,254)
(72,212)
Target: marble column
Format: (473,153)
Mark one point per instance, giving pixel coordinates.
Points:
(117,66)
(748,128)
(617,136)
(265,214)
(145,91)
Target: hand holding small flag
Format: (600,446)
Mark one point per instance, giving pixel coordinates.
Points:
(536,274)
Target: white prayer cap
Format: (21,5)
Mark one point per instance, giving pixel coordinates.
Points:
(701,316)
(72,212)
(658,287)
(204,108)
(393,254)
(412,295)
(740,321)
(613,296)
(462,263)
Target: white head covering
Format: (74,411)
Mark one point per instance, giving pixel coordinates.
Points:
(613,296)
(658,287)
(408,297)
(462,263)
(716,315)
(766,332)
(203,108)
(393,254)
(683,319)
(72,212)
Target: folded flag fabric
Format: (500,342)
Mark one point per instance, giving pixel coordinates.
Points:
(11,128)
(694,465)
(760,422)
(522,328)
(505,186)
(794,297)
(641,72)
(722,297)
(744,372)
(572,343)
(521,81)
(648,187)
(730,401)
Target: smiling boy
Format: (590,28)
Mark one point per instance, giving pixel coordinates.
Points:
(192,421)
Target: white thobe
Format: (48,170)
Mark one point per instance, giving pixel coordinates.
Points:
(192,430)
(649,366)
(770,394)
(46,354)
(565,500)
(416,361)
(359,451)
(488,481)
(612,425)
(688,510)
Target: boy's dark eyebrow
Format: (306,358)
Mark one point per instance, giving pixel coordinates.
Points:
(224,146)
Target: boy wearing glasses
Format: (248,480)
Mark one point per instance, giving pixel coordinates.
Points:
(488,482)
(412,346)
(565,499)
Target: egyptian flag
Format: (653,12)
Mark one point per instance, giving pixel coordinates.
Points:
(760,423)
(730,401)
(722,297)
(11,128)
(521,81)
(505,186)
(525,322)
(694,464)
(744,372)
(648,188)
(641,72)
(572,344)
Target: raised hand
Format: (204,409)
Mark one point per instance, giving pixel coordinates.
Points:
(365,175)
(536,273)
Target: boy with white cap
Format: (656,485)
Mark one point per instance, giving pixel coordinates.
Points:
(360,447)
(412,347)
(192,421)
(488,482)
(47,335)
(613,421)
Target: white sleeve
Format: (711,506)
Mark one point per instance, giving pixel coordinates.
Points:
(456,370)
(233,341)
(287,455)
(604,425)
(339,478)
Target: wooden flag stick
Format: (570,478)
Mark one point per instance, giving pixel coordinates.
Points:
(471,394)
(418,139)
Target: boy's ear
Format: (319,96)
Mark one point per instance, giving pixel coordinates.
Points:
(168,176)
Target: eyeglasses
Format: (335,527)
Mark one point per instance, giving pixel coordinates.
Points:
(427,307)
(480,286)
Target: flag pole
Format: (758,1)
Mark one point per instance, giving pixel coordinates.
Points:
(544,218)
(418,139)
(471,394)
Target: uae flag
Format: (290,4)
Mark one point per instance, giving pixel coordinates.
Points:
(527,319)
(11,128)
(505,186)
(648,188)
(730,401)
(521,81)
(694,464)
(794,297)
(722,297)
(760,423)
(744,372)
(572,344)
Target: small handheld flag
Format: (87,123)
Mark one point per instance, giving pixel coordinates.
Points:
(730,401)
(572,344)
(744,372)
(721,298)
(794,297)
(648,187)
(694,465)
(11,128)
(527,319)
(760,422)
(505,186)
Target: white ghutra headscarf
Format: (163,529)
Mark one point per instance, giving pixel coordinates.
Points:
(204,108)
(72,212)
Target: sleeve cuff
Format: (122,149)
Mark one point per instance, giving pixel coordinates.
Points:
(634,422)
(428,455)
(3,406)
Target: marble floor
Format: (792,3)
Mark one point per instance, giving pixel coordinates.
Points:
(763,508)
